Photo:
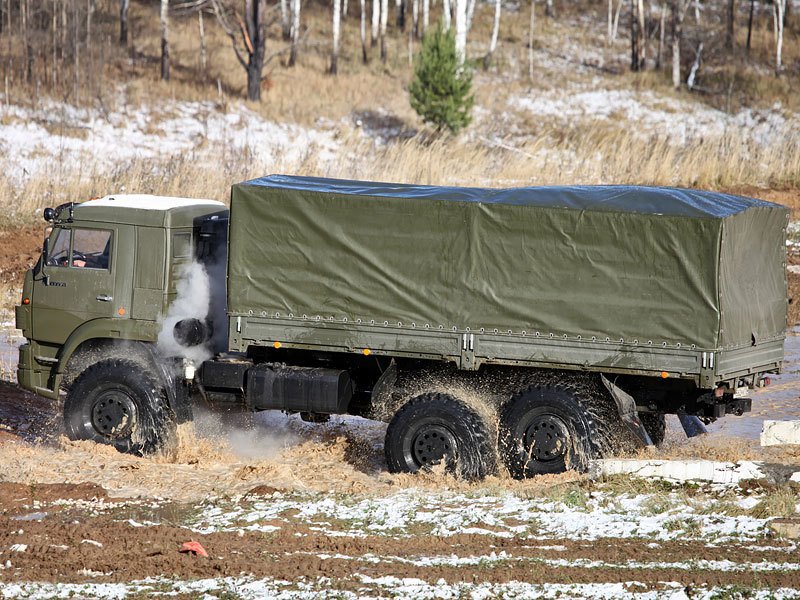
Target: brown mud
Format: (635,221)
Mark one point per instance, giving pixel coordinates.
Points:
(109,550)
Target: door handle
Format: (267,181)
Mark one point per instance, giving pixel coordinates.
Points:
(104,298)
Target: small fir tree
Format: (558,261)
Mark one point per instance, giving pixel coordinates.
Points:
(440,90)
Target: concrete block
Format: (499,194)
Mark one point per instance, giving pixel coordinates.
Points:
(778,433)
(708,471)
(786,528)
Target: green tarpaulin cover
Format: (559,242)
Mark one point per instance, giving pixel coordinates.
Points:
(658,265)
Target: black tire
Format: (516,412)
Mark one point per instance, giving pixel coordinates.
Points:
(656,426)
(434,428)
(118,402)
(550,428)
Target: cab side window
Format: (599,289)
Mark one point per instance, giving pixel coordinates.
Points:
(91,249)
(58,255)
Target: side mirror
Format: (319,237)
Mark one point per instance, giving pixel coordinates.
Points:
(43,261)
(49,214)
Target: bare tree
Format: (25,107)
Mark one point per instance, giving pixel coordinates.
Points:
(461,30)
(750,24)
(531,25)
(470,13)
(487,61)
(779,12)
(251,34)
(295,32)
(730,30)
(638,36)
(384,19)
(376,18)
(446,14)
(337,18)
(286,23)
(426,15)
(165,40)
(364,56)
(124,5)
(203,47)
(661,33)
(678,8)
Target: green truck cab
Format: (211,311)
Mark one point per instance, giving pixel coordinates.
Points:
(528,329)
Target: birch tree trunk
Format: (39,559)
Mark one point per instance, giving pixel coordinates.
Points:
(364,56)
(470,13)
(124,5)
(400,14)
(376,15)
(203,50)
(616,20)
(531,24)
(384,19)
(165,40)
(677,35)
(286,26)
(549,9)
(446,14)
(610,21)
(487,61)
(426,15)
(415,29)
(295,32)
(461,30)
(780,10)
(642,35)
(661,27)
(337,17)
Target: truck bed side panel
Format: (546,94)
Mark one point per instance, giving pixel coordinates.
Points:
(485,267)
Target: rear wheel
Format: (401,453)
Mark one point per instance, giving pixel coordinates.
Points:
(118,402)
(553,428)
(434,429)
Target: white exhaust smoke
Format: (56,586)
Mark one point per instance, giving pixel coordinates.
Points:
(192,302)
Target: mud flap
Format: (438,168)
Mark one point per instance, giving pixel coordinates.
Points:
(626,406)
(691,424)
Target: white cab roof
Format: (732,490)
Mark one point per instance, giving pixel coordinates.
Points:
(149,202)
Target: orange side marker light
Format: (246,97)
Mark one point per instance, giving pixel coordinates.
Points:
(121,311)
(664,374)
(26,301)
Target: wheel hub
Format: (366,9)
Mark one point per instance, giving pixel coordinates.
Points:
(432,445)
(546,438)
(113,415)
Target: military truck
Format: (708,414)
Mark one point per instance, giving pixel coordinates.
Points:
(528,329)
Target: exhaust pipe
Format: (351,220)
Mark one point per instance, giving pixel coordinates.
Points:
(191,332)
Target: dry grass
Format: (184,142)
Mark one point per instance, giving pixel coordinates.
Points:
(582,156)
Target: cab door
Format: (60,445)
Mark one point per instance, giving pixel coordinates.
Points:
(77,283)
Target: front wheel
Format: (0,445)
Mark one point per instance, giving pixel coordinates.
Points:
(434,429)
(120,403)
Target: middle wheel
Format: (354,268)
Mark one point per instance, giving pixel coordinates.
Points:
(436,428)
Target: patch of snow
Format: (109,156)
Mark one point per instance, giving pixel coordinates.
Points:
(61,139)
(648,114)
